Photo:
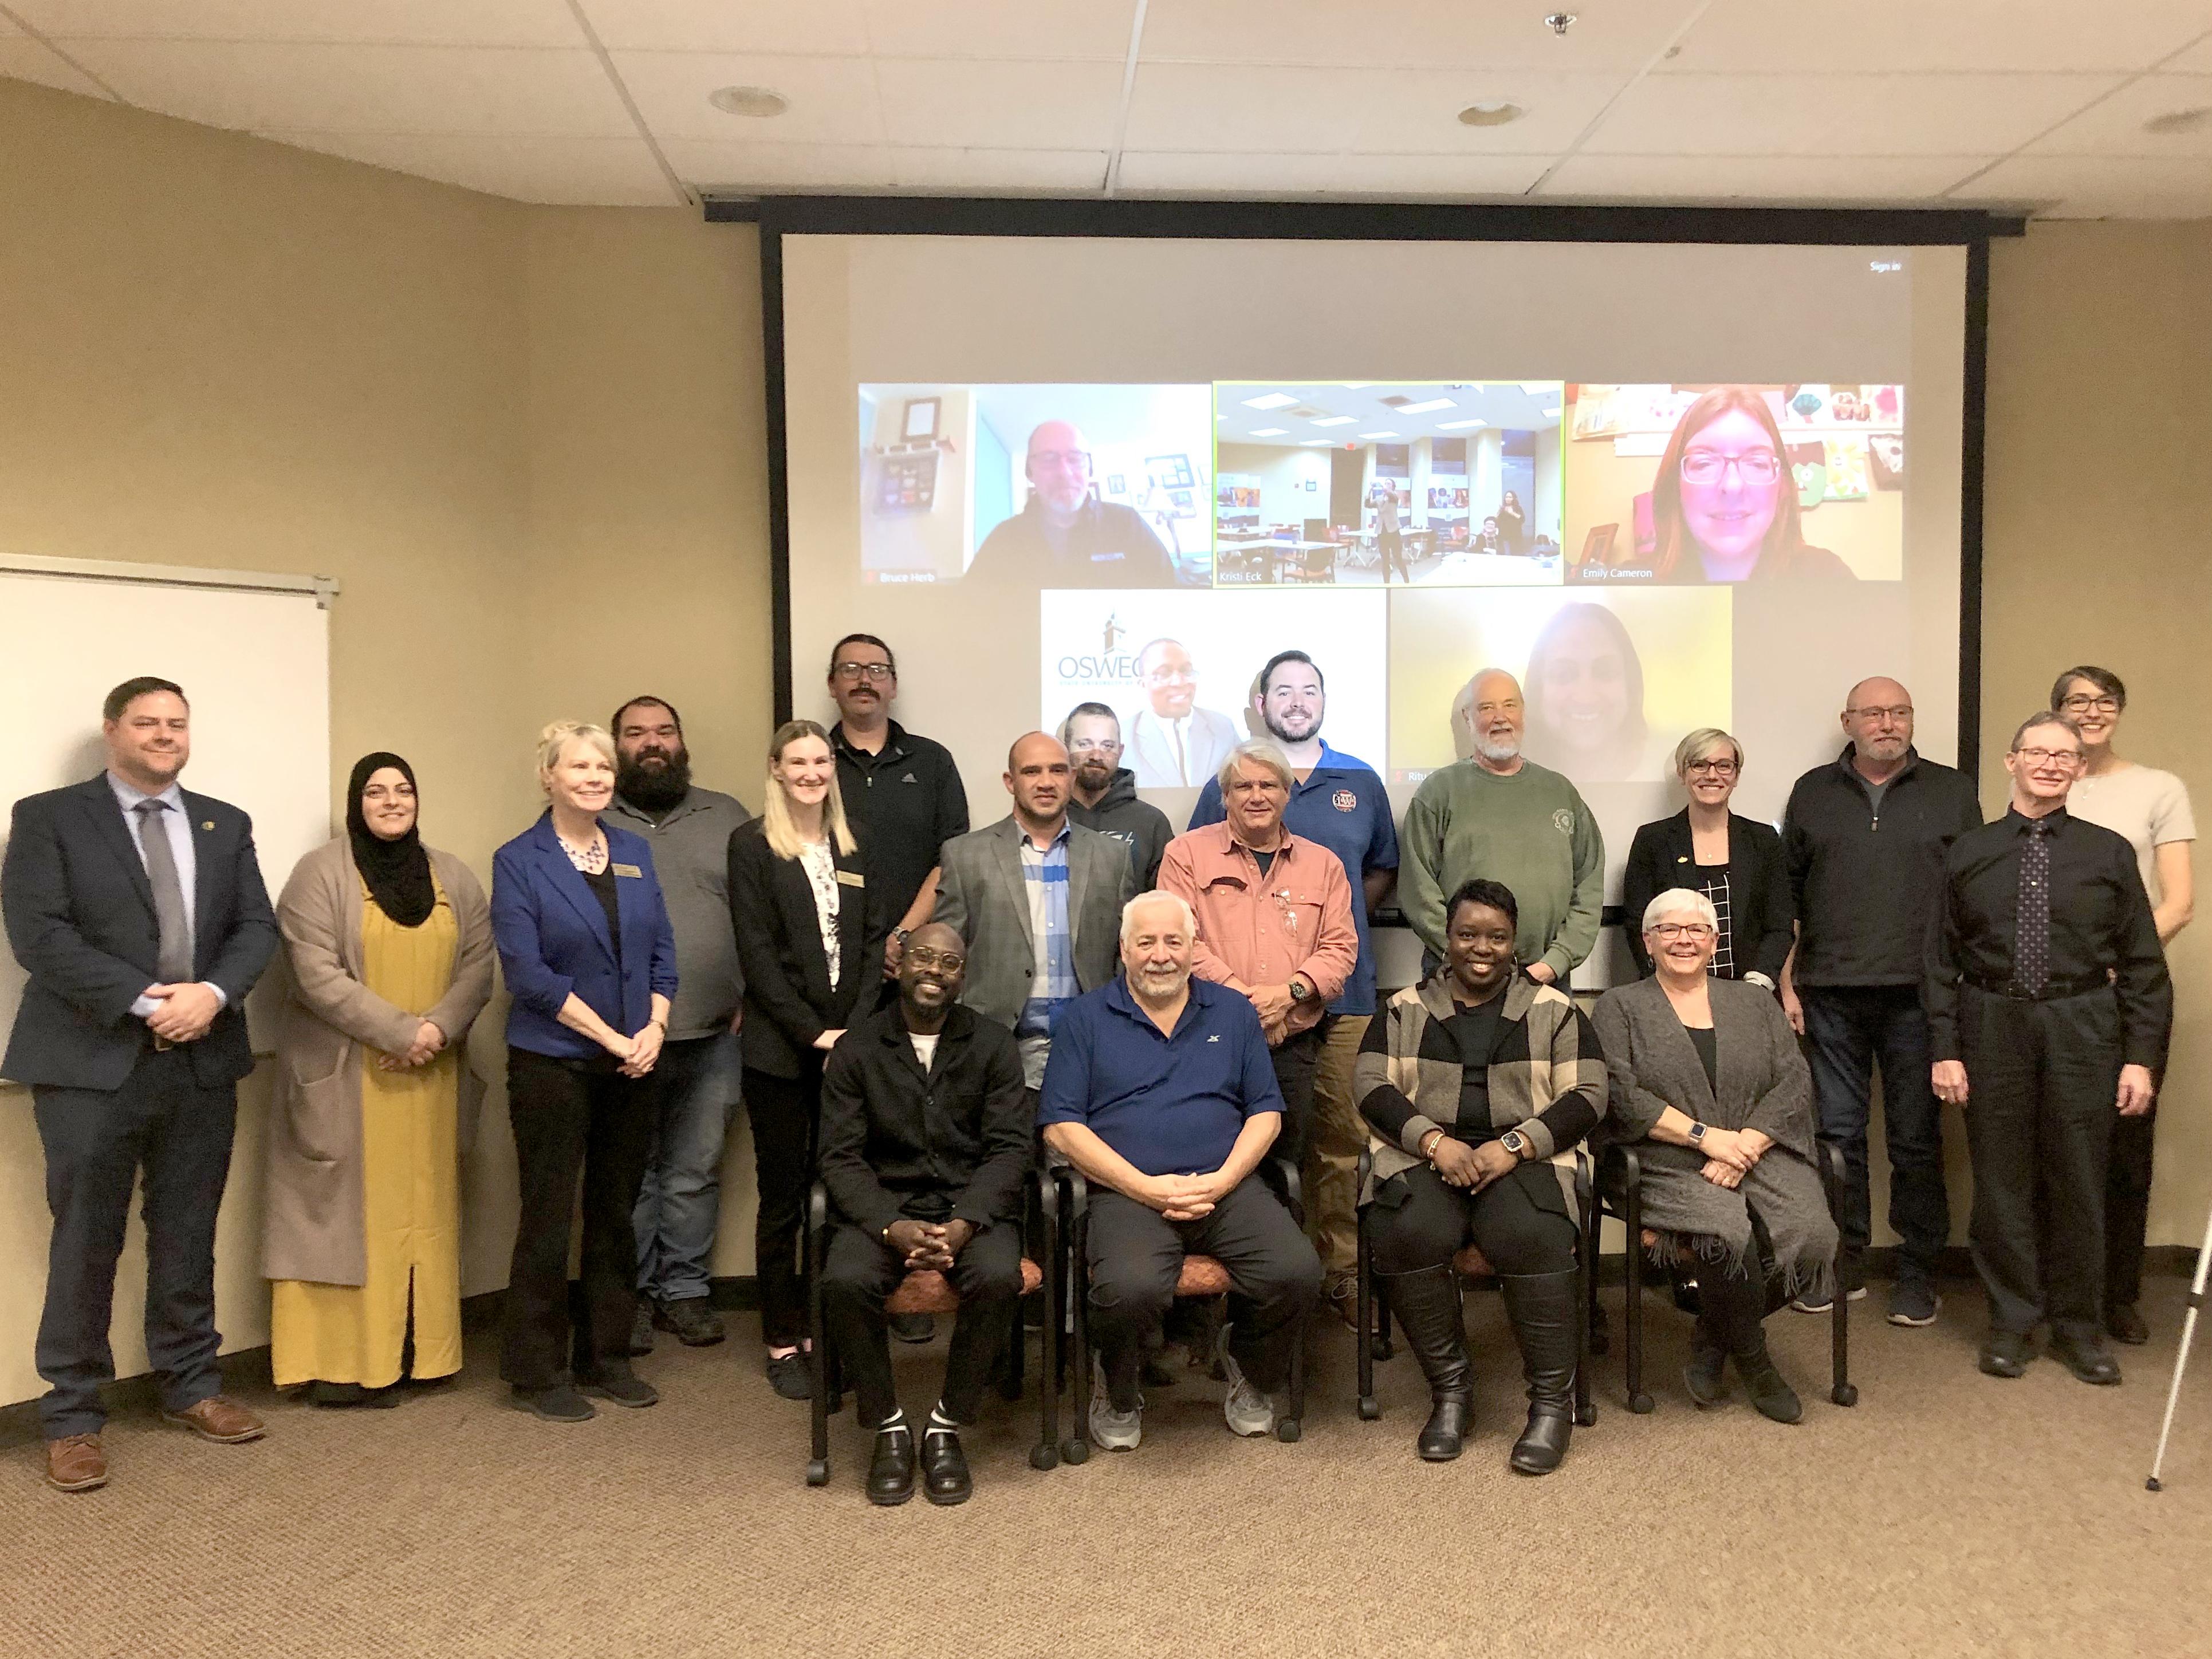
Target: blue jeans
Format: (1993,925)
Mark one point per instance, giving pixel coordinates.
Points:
(1849,1029)
(700,1082)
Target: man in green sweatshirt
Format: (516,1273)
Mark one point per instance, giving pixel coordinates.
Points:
(1507,819)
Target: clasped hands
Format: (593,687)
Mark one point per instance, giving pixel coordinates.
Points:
(930,1244)
(429,1042)
(1730,1154)
(185,1012)
(1182,1198)
(1273,1003)
(1470,1167)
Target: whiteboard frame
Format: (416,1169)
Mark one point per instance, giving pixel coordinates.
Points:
(325,588)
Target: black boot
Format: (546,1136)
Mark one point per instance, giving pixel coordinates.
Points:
(1546,1324)
(1427,1304)
(1743,1309)
(1706,1376)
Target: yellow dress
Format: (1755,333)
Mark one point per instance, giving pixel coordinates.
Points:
(411,1183)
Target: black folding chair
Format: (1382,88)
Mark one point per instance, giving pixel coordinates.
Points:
(1201,1276)
(927,1292)
(1620,1193)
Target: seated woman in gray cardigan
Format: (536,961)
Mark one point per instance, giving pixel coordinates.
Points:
(1477,1085)
(1708,1082)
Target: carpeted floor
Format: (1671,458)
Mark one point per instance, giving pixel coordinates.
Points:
(1948,1514)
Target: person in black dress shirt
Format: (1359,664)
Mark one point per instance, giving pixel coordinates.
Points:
(2048,1004)
(926,1136)
(1736,862)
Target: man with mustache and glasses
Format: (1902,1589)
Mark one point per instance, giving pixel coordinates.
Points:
(701,1071)
(1499,817)
(925,1137)
(1864,837)
(2048,1005)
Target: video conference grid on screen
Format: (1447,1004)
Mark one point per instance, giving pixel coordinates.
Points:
(1588,538)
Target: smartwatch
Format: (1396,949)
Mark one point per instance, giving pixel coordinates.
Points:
(1514,1142)
(1697,1134)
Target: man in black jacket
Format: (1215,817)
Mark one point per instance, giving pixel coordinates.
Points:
(139,912)
(926,1140)
(1865,838)
(1066,537)
(1104,793)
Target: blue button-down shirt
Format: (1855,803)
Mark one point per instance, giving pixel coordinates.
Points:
(1170,1103)
(176,823)
(1341,805)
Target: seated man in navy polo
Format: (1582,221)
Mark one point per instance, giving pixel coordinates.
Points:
(1160,1091)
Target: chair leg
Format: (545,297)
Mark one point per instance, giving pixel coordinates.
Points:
(1585,1293)
(1369,1411)
(1843,1390)
(818,1464)
(1076,1446)
(1594,1338)
(1632,1314)
(1289,1428)
(1015,1363)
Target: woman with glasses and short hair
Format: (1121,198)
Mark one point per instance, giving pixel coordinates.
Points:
(1710,1088)
(1736,862)
(2150,808)
(1724,504)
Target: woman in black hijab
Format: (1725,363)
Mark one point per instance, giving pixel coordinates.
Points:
(389,950)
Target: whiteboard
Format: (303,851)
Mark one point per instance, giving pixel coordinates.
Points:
(255,664)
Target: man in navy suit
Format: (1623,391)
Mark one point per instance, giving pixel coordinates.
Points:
(139,912)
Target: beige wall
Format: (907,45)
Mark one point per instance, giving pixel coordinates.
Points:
(530,442)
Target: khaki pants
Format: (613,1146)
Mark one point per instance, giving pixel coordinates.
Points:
(1332,1162)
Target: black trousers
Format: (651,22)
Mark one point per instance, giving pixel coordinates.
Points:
(786,1115)
(1520,1222)
(2127,1207)
(96,1141)
(861,1271)
(2041,1078)
(1135,1255)
(569,1121)
(1297,1061)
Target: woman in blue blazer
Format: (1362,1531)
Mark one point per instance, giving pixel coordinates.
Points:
(590,959)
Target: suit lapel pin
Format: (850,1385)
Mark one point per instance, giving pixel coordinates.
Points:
(206,823)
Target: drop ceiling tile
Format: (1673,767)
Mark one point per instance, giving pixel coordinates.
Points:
(829,28)
(1839,114)
(2115,126)
(1210,107)
(1774,179)
(1617,36)
(1030,29)
(1387,176)
(833,99)
(2097,187)
(577,172)
(1034,105)
(1064,172)
(1793,36)
(428,22)
(743,168)
(355,88)
(25,60)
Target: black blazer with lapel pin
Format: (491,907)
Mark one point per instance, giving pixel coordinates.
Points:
(789,1001)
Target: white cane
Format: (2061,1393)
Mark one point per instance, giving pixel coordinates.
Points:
(2181,1359)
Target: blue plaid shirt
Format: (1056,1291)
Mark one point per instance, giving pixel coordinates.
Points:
(1045,873)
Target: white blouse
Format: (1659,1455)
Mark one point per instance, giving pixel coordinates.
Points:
(821,868)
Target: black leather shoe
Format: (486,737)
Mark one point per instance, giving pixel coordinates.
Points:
(890,1471)
(1547,1324)
(1543,1443)
(2088,1361)
(1706,1376)
(944,1477)
(1445,1433)
(2006,1353)
(1774,1398)
(2125,1324)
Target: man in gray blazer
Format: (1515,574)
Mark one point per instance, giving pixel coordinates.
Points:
(1038,900)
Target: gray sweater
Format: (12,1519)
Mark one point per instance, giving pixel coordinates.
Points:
(692,856)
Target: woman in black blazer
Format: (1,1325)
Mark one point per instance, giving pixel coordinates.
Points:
(1736,862)
(798,899)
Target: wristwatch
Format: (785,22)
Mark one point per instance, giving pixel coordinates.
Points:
(899,935)
(1302,990)
(1514,1142)
(1697,1134)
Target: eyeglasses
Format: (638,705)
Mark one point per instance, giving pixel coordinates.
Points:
(2079,703)
(1901,711)
(2068,758)
(867,671)
(1680,930)
(1705,467)
(1076,460)
(1719,768)
(921,955)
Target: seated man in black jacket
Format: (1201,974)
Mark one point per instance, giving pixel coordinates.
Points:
(926,1140)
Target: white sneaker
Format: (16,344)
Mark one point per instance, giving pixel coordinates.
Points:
(1113,1430)
(1247,1410)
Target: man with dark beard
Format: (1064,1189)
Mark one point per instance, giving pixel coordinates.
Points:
(700,1072)
(1103,795)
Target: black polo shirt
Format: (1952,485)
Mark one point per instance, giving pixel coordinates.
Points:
(905,803)
(1109,545)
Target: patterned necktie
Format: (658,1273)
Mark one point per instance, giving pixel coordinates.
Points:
(175,963)
(2030,944)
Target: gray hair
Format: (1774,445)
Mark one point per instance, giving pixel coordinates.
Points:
(2065,722)
(1259,752)
(1694,747)
(1680,898)
(1157,895)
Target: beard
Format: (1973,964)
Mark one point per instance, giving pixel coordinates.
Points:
(655,789)
(1282,733)
(1496,749)
(1094,775)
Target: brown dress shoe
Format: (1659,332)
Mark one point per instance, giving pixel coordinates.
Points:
(217,1419)
(76,1464)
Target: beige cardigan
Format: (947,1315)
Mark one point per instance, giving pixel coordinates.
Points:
(315,1218)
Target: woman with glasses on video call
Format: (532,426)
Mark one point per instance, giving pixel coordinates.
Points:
(1724,504)
(2150,808)
(1736,862)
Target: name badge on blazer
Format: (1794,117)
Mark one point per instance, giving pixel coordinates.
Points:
(630,870)
(851,879)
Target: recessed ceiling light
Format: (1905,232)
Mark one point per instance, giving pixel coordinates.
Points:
(1491,112)
(1458,426)
(1335,420)
(1309,443)
(2178,121)
(1378,434)
(1270,431)
(1423,408)
(1552,414)
(748,101)
(1271,400)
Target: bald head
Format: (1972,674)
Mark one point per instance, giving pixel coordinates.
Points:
(933,971)
(1037,777)
(937,936)
(1058,467)
(1878,720)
